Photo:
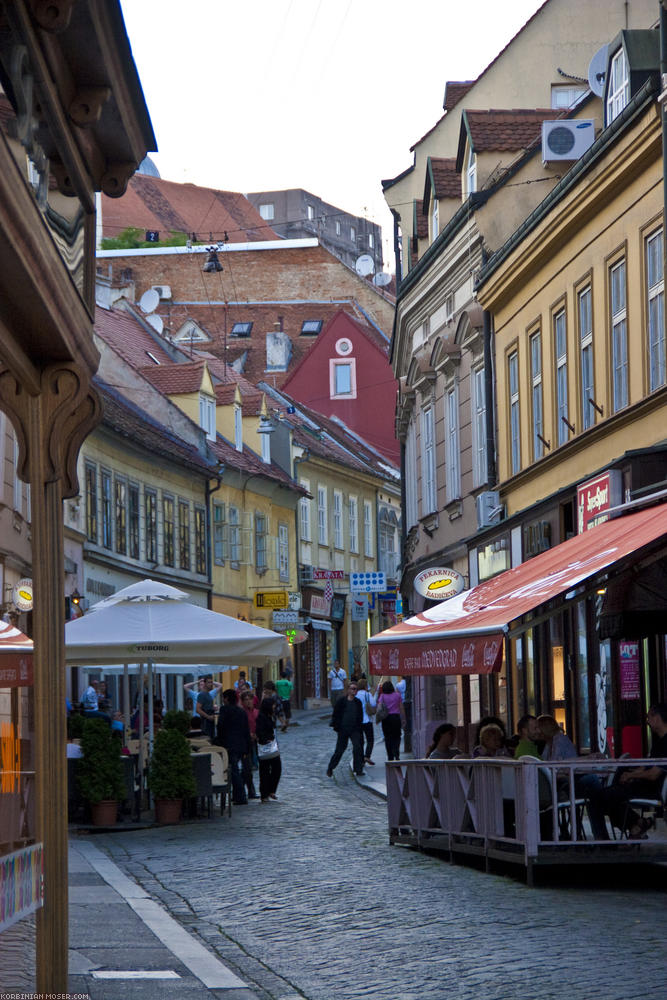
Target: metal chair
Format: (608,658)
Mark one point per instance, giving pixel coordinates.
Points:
(563,803)
(201,769)
(220,779)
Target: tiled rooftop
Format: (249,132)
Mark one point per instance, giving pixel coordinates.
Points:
(446,179)
(455,90)
(175,379)
(505,130)
(421,220)
(128,338)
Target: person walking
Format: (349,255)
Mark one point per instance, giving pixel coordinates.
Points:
(392,719)
(205,706)
(234,735)
(347,721)
(270,766)
(250,760)
(284,688)
(337,678)
(368,704)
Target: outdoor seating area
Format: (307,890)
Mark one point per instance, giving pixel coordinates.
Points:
(526,812)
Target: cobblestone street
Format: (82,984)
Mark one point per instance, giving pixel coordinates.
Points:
(306,898)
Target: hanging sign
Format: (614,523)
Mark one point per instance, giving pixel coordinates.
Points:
(22,595)
(359,608)
(439,584)
(274,599)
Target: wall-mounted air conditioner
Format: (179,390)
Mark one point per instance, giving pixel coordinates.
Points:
(567,140)
(164,291)
(488,508)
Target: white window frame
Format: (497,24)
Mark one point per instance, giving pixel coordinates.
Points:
(435,218)
(564,96)
(411,505)
(338,519)
(283,551)
(220,533)
(310,212)
(618,92)
(371,241)
(353,523)
(238,428)
(478,403)
(353,234)
(368,529)
(453,448)
(619,334)
(18,483)
(322,516)
(515,411)
(207,415)
(266,448)
(267,211)
(235,541)
(334,365)
(560,354)
(429,492)
(337,227)
(470,171)
(587,371)
(536,393)
(655,310)
(304,512)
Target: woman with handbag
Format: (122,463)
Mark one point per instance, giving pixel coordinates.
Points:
(268,753)
(391,716)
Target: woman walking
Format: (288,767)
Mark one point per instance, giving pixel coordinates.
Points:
(393,721)
(267,750)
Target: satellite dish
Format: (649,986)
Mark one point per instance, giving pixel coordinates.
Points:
(156,322)
(149,301)
(364,265)
(597,71)
(382,278)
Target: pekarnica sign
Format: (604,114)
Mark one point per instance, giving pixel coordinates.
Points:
(439,584)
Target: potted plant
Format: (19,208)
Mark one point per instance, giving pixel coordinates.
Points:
(170,775)
(175,719)
(100,772)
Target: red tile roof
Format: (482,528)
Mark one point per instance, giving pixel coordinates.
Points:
(122,331)
(420,223)
(455,90)
(505,130)
(151,203)
(441,173)
(175,379)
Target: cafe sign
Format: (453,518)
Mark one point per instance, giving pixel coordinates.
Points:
(596,497)
(439,584)
(22,594)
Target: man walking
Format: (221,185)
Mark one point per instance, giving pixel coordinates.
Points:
(337,678)
(234,736)
(284,688)
(347,722)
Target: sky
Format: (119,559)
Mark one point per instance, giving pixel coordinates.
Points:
(325,95)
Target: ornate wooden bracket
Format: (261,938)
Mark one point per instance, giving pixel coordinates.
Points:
(116,178)
(67,409)
(86,107)
(52,15)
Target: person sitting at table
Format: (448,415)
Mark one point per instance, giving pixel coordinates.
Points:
(442,743)
(557,746)
(491,742)
(528,732)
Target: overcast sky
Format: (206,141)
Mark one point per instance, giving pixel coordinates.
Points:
(326,95)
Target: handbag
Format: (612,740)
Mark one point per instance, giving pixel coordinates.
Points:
(370,707)
(266,751)
(381,712)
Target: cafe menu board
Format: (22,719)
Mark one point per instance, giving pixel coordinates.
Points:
(629,653)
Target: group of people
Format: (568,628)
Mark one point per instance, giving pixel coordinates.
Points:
(541,737)
(354,708)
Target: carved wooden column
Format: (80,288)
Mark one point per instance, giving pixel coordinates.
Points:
(50,427)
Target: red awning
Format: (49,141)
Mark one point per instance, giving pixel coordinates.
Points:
(15,657)
(465,635)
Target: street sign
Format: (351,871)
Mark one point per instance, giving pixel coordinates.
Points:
(285,617)
(271,599)
(360,608)
(367,583)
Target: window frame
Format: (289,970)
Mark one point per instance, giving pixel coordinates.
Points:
(200,541)
(339,363)
(120,514)
(618,328)
(168,530)
(338,536)
(322,515)
(92,512)
(106,496)
(452,445)
(619,97)
(283,551)
(586,356)
(656,347)
(235,540)
(305,524)
(353,523)
(184,557)
(478,415)
(429,491)
(207,415)
(150,523)
(368,529)
(134,520)
(561,375)
(514,410)
(261,527)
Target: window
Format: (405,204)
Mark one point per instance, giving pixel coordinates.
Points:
(435,219)
(150,501)
(267,211)
(411,508)
(200,540)
(283,552)
(337,227)
(311,326)
(560,350)
(168,530)
(536,394)
(656,310)
(368,529)
(470,172)
(618,88)
(238,428)
(515,432)
(266,448)
(388,550)
(91,502)
(586,356)
(343,378)
(563,96)
(479,427)
(107,528)
(304,512)
(234,537)
(120,503)
(371,241)
(322,516)
(310,212)
(353,523)
(184,534)
(428,462)
(219,534)
(260,543)
(133,521)
(18,484)
(619,337)
(241,329)
(338,519)
(353,234)
(452,454)
(207,415)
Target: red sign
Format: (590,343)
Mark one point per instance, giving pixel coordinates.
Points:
(15,670)
(328,574)
(481,654)
(630,690)
(597,496)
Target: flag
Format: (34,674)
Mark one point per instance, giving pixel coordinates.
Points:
(328,591)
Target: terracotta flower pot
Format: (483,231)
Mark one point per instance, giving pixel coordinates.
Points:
(104,813)
(168,810)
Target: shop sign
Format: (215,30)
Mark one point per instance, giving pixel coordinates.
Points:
(285,617)
(328,574)
(439,584)
(271,599)
(294,600)
(320,605)
(360,608)
(295,636)
(338,607)
(629,654)
(597,496)
(368,583)
(21,884)
(16,670)
(22,594)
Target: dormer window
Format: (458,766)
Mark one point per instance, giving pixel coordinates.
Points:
(238,428)
(207,415)
(435,219)
(241,329)
(311,327)
(470,172)
(618,90)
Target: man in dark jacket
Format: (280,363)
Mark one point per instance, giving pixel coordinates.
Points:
(234,735)
(347,721)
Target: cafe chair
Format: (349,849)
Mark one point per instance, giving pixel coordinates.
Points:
(563,805)
(201,769)
(655,807)
(220,779)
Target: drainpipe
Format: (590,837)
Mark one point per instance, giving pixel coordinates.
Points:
(491,471)
(209,548)
(663,116)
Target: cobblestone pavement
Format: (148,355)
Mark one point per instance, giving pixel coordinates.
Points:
(306,898)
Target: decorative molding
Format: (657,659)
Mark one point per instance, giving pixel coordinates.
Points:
(114,182)
(86,108)
(52,15)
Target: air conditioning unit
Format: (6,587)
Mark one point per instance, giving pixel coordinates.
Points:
(164,291)
(567,140)
(488,508)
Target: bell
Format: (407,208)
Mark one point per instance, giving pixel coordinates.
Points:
(212,262)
